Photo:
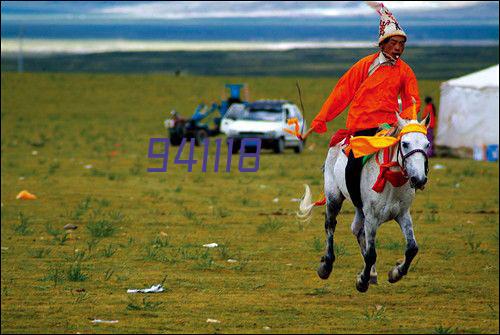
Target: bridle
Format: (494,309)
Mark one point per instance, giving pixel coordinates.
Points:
(408,154)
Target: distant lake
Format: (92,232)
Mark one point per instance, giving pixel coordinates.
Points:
(252,30)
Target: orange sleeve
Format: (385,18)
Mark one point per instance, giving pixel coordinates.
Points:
(341,96)
(408,90)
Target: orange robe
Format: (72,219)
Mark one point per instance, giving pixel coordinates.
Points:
(373,99)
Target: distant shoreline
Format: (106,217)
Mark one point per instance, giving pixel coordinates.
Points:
(11,47)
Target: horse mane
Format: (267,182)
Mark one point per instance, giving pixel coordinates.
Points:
(395,130)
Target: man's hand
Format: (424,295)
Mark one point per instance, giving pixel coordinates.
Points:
(295,122)
(304,136)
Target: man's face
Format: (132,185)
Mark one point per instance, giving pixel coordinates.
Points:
(395,46)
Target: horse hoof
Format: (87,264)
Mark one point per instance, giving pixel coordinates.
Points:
(361,285)
(373,280)
(324,270)
(394,275)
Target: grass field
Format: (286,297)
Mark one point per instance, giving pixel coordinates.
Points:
(79,142)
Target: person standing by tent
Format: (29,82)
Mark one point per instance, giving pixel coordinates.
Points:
(430,110)
(371,87)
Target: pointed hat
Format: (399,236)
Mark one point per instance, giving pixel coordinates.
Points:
(389,26)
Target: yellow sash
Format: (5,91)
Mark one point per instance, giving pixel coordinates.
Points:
(366,145)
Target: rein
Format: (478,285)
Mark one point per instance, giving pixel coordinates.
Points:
(404,157)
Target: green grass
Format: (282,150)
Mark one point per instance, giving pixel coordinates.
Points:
(23,228)
(136,227)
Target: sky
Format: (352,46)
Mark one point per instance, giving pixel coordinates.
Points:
(182,10)
(100,26)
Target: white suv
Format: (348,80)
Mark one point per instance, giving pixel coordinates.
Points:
(264,119)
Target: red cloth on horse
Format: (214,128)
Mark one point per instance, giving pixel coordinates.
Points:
(396,178)
(339,136)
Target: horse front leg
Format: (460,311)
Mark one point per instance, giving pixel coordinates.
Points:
(333,207)
(369,254)
(358,229)
(400,270)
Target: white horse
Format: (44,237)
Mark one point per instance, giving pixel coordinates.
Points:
(392,203)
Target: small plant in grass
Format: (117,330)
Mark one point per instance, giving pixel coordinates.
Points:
(443,330)
(91,244)
(81,208)
(81,297)
(469,171)
(392,245)
(108,251)
(154,254)
(160,242)
(271,225)
(55,275)
(282,171)
(222,212)
(116,216)
(185,254)
(136,168)
(97,173)
(431,206)
(61,239)
(431,217)
(77,256)
(376,314)
(121,278)
(317,244)
(23,227)
(75,273)
(39,252)
(448,253)
(205,262)
(58,236)
(480,207)
(100,228)
(107,275)
(178,189)
(320,291)
(242,263)
(224,251)
(103,202)
(146,305)
(53,167)
(471,242)
(188,214)
(340,250)
(154,194)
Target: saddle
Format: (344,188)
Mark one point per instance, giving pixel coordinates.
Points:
(355,164)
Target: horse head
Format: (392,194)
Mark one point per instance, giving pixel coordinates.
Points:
(412,152)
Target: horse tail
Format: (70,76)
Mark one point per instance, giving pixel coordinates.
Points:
(306,205)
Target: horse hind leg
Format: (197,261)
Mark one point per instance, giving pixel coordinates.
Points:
(333,206)
(358,229)
(369,255)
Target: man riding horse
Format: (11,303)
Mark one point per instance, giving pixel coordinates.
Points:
(371,87)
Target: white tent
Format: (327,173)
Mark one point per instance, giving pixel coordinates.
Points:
(468,110)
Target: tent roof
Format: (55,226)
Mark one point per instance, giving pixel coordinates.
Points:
(481,79)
